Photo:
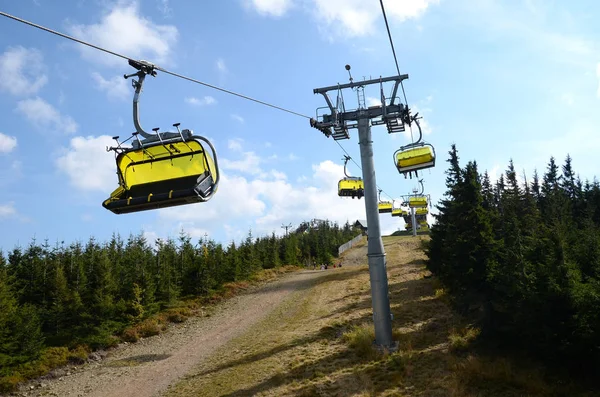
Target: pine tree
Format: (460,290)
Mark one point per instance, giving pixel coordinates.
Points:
(442,234)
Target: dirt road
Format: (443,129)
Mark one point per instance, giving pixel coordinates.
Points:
(148,367)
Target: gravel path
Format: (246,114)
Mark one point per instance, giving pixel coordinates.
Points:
(148,367)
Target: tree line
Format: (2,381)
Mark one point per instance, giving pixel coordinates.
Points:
(84,294)
(523,258)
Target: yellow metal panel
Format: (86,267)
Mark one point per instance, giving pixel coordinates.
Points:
(385,206)
(417,201)
(156,163)
(415,156)
(116,193)
(351,184)
(421,211)
(397,212)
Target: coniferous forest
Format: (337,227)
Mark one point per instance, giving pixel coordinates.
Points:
(523,258)
(56,299)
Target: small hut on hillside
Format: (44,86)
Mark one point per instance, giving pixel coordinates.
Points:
(362,225)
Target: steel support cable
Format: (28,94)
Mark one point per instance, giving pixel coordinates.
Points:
(387,26)
(177,74)
(155,67)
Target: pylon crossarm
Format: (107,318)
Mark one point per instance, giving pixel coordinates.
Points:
(398,79)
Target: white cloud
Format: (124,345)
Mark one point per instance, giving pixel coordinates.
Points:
(221,67)
(371,101)
(44,115)
(347,18)
(125,31)
(248,163)
(494,173)
(150,237)
(88,165)
(164,8)
(234,199)
(292,157)
(196,233)
(407,9)
(7,210)
(7,143)
(354,18)
(207,100)
(235,144)
(264,201)
(278,175)
(273,8)
(22,71)
(116,87)
(238,118)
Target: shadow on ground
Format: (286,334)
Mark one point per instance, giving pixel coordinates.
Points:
(345,371)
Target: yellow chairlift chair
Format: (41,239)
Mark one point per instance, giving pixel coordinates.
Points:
(385,206)
(350,186)
(417,201)
(163,169)
(415,156)
(423,226)
(421,211)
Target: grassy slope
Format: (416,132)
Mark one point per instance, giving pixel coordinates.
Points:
(319,343)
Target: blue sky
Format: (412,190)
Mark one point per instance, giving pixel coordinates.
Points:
(500,79)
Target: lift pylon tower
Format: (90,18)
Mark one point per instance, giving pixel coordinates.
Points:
(336,124)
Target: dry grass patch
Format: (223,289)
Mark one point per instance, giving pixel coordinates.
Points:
(460,339)
(498,376)
(361,339)
(319,342)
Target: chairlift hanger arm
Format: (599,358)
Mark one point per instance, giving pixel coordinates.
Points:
(143,68)
(346,158)
(329,120)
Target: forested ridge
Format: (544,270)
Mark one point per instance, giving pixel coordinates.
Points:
(523,259)
(81,296)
